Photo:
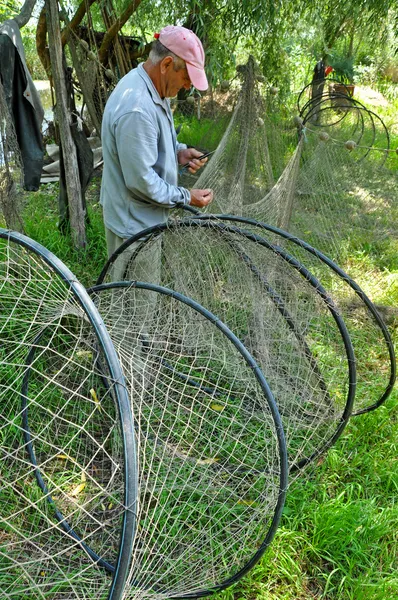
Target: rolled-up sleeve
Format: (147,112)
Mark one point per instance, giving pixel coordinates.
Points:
(181,146)
(137,148)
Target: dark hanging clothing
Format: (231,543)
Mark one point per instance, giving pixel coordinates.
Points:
(319,71)
(23,103)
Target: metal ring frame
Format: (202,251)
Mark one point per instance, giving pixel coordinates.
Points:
(284,470)
(283,481)
(205,222)
(128,524)
(345,277)
(321,104)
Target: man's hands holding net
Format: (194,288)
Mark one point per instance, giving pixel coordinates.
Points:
(201,198)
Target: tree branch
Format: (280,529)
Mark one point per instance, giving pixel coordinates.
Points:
(77,19)
(25,13)
(41,42)
(113,31)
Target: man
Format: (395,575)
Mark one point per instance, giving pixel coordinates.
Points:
(140,148)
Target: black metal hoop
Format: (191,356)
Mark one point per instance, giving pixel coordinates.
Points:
(318,104)
(309,85)
(128,524)
(283,476)
(345,277)
(205,221)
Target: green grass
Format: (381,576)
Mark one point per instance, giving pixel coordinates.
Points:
(204,134)
(338,536)
(41,218)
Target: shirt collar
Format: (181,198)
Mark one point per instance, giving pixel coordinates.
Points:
(152,90)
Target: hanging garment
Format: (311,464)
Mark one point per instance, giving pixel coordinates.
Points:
(23,102)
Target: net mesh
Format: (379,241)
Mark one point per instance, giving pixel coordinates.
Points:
(209,455)
(334,185)
(327,175)
(62,460)
(346,186)
(371,339)
(282,316)
(252,153)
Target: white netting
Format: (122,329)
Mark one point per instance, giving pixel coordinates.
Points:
(209,457)
(62,458)
(210,473)
(373,346)
(282,316)
(252,154)
(333,185)
(326,176)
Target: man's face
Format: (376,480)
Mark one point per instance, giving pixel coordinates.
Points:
(176,78)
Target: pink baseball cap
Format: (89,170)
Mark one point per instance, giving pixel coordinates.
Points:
(186,44)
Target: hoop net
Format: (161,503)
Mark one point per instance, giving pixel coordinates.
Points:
(211,466)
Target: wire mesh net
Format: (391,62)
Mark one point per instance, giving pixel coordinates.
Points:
(252,153)
(328,177)
(274,305)
(212,470)
(63,456)
(345,188)
(212,461)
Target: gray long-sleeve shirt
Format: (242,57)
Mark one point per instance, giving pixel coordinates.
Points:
(139,181)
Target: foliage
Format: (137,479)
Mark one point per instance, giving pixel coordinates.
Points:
(41,224)
(343,68)
(8,8)
(285,38)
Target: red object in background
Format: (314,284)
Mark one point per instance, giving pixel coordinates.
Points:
(328,70)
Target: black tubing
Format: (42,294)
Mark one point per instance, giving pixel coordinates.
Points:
(29,446)
(283,478)
(343,275)
(128,525)
(205,221)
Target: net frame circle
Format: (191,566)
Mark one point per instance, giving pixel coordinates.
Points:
(128,522)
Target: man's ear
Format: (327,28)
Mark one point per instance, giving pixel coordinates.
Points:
(166,64)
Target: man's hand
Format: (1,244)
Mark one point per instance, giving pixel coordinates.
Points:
(201,198)
(190,155)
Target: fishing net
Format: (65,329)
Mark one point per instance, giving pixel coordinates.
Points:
(273,304)
(371,338)
(212,470)
(326,175)
(94,505)
(67,446)
(252,153)
(347,186)
(11,170)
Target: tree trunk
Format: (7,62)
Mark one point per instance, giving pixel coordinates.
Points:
(73,187)
(41,42)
